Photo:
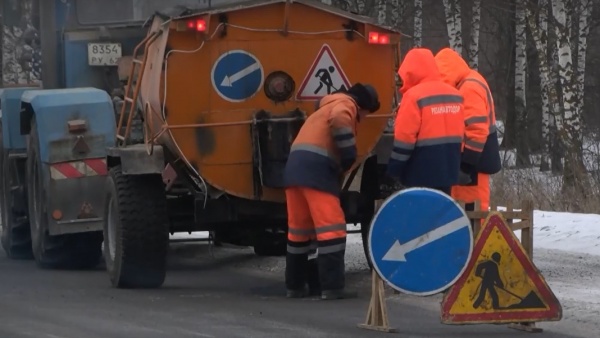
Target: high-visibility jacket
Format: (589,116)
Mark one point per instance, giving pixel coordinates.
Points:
(429,125)
(481,147)
(325,146)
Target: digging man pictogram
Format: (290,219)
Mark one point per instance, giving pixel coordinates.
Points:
(489,272)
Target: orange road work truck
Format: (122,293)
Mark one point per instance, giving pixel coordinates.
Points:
(220,94)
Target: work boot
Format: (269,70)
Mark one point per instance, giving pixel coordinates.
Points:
(312,274)
(296,293)
(338,294)
(295,270)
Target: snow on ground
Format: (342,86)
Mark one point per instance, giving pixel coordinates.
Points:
(566,251)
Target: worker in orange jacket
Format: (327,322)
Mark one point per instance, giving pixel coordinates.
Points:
(323,151)
(481,151)
(429,126)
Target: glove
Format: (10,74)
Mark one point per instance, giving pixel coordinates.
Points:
(389,185)
(465,173)
(463,178)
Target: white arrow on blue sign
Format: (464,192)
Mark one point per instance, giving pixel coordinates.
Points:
(237,75)
(420,241)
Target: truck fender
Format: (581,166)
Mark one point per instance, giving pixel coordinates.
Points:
(10,105)
(56,109)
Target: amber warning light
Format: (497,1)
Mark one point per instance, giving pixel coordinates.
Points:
(199,25)
(379,38)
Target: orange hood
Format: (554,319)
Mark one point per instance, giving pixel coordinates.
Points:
(452,66)
(418,66)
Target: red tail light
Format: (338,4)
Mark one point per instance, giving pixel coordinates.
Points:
(199,25)
(379,38)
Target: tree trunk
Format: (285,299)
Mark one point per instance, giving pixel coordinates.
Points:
(575,174)
(585,12)
(475,27)
(382,12)
(418,24)
(454,24)
(540,38)
(523,159)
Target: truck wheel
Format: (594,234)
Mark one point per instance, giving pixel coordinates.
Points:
(270,243)
(16,235)
(70,251)
(136,230)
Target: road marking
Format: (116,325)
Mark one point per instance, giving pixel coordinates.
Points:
(397,253)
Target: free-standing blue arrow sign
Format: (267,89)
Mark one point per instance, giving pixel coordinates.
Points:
(420,241)
(237,75)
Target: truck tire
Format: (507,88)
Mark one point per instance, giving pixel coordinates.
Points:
(136,230)
(70,251)
(16,235)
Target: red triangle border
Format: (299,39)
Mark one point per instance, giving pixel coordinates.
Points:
(553,313)
(324,48)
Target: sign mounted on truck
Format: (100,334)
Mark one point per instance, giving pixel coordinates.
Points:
(324,77)
(104,54)
(237,75)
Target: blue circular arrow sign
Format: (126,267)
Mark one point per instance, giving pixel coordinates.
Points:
(420,241)
(237,75)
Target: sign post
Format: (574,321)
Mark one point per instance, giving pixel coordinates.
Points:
(420,243)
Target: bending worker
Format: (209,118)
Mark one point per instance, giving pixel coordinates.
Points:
(323,151)
(481,151)
(429,126)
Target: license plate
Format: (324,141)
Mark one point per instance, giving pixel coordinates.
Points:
(103,54)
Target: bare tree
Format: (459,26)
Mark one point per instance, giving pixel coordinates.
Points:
(418,24)
(475,28)
(523,159)
(569,124)
(454,24)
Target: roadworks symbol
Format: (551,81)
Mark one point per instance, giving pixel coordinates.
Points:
(324,77)
(501,283)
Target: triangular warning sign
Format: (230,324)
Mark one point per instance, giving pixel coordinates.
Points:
(500,283)
(324,77)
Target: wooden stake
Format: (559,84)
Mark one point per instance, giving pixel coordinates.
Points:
(377,316)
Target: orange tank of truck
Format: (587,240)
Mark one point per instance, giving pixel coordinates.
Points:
(222,93)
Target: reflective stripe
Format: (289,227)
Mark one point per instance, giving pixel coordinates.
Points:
(475,144)
(490,100)
(404,145)
(298,250)
(346,143)
(301,232)
(329,228)
(312,149)
(439,99)
(342,131)
(439,140)
(475,119)
(323,250)
(399,157)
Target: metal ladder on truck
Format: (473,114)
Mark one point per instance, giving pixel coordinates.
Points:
(132,90)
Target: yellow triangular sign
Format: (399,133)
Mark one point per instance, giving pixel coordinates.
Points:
(501,284)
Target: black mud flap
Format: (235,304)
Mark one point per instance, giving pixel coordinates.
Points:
(272,138)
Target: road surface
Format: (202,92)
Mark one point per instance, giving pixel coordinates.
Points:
(233,294)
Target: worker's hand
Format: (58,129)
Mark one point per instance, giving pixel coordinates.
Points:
(389,185)
(464,178)
(465,173)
